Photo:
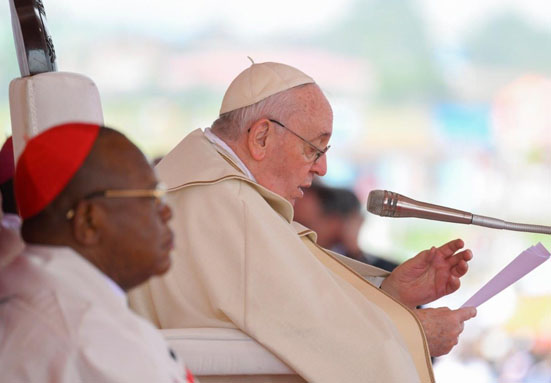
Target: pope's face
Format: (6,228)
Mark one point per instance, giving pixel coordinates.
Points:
(292,166)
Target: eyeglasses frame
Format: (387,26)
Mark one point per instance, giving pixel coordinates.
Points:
(159,192)
(319,152)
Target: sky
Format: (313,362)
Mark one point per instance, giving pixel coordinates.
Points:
(447,19)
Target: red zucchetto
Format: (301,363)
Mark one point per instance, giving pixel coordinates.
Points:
(48,163)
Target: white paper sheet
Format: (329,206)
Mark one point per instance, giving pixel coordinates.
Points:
(524,263)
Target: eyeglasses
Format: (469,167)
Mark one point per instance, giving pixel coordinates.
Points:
(158,193)
(311,156)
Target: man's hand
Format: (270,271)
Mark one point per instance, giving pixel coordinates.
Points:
(442,327)
(429,275)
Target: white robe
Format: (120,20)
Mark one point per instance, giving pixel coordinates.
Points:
(240,262)
(62,320)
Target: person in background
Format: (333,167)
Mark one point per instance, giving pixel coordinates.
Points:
(336,217)
(241,262)
(95,226)
(7,168)
(11,243)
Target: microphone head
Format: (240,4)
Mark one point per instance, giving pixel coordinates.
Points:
(375,201)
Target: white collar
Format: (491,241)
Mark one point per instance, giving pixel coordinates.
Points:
(116,288)
(215,140)
(63,254)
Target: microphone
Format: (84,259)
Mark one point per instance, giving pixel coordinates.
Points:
(389,204)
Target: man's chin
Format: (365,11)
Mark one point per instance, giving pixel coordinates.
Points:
(295,196)
(294,199)
(163,265)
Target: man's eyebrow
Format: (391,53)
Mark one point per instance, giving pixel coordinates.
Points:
(322,135)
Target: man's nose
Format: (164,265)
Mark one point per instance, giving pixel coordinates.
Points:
(320,166)
(165,211)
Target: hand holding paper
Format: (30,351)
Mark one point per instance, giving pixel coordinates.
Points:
(527,261)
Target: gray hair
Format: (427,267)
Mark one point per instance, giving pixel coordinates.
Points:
(233,124)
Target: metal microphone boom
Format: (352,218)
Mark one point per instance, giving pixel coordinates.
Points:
(389,204)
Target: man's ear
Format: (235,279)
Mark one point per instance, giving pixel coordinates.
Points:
(87,223)
(258,138)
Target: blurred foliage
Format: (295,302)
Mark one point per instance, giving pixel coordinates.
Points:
(422,236)
(391,35)
(509,41)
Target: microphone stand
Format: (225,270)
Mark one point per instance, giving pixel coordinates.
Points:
(390,204)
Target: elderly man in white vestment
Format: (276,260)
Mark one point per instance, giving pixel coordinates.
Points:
(94,227)
(241,262)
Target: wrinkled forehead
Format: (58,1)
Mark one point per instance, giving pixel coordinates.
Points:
(313,115)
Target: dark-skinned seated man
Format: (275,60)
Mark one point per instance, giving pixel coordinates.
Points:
(94,227)
(241,262)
